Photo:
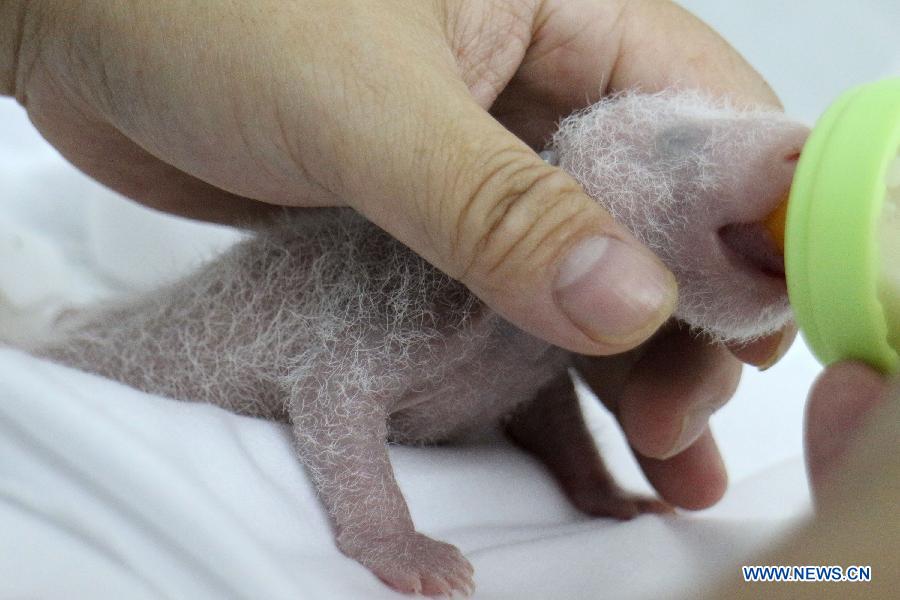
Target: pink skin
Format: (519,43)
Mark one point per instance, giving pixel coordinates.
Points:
(324,321)
(838,404)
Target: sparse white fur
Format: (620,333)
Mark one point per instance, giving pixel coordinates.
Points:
(660,163)
(322,319)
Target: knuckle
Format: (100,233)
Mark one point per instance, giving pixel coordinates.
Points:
(517,214)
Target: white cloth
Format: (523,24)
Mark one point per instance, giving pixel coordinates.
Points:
(106,492)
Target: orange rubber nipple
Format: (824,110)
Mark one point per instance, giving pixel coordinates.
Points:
(775,223)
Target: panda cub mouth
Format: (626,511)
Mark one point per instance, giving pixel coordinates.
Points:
(751,244)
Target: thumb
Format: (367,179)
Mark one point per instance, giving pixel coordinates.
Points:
(481,206)
(839,405)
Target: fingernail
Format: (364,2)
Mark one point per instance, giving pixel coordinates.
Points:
(784,344)
(613,292)
(693,424)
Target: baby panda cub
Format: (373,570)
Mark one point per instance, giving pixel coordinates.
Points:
(322,320)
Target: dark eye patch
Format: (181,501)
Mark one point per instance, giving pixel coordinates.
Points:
(680,140)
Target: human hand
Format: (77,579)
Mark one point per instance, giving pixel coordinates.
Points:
(852,433)
(424,116)
(838,411)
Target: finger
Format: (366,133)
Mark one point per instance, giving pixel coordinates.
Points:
(839,402)
(665,400)
(663,45)
(693,479)
(108,156)
(584,49)
(475,201)
(12,17)
(766,351)
(662,392)
(165,121)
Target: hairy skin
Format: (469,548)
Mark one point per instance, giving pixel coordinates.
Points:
(323,320)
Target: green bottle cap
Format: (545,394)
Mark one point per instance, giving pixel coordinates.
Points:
(842,240)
